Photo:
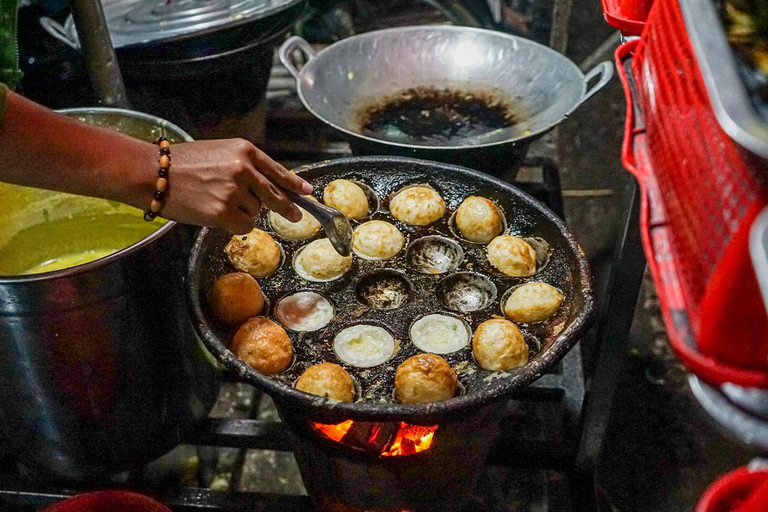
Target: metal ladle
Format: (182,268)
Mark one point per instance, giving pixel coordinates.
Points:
(334,223)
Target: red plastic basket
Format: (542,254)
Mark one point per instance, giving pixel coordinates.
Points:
(700,194)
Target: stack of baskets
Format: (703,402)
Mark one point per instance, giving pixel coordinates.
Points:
(701,193)
(697,145)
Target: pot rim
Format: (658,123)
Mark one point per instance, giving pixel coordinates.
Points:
(325,409)
(126,251)
(71,30)
(442,28)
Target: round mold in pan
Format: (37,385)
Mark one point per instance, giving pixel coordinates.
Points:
(566,267)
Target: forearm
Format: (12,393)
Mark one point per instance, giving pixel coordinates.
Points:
(40,148)
(216,183)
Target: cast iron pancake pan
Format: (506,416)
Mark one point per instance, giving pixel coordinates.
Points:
(561,263)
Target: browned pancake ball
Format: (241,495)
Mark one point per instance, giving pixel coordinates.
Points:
(499,345)
(479,219)
(512,255)
(417,205)
(263,345)
(533,302)
(328,380)
(347,197)
(319,260)
(425,378)
(235,297)
(305,228)
(256,253)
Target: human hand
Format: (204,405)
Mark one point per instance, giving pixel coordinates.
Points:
(215,183)
(224,183)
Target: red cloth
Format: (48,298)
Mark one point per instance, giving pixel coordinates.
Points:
(109,501)
(741,490)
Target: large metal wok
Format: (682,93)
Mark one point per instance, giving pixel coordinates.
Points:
(347,77)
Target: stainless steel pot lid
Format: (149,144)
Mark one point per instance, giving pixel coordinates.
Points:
(133,22)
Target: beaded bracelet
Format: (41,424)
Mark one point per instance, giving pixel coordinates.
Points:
(162,179)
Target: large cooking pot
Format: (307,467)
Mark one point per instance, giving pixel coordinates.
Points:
(101,370)
(349,76)
(161,30)
(566,267)
(200,63)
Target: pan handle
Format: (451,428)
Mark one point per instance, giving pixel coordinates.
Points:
(605,71)
(55,29)
(286,54)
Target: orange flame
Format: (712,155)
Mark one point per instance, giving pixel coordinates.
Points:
(409,439)
(334,432)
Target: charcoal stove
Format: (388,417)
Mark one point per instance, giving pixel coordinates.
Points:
(532,435)
(362,455)
(355,465)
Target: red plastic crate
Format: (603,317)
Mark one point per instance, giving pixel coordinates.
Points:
(700,193)
(629,16)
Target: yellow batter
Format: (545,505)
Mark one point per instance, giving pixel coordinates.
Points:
(45,231)
(70,260)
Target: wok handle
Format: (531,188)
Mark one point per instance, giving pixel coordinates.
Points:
(605,71)
(286,53)
(56,30)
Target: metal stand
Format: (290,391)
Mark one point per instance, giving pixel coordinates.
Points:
(614,324)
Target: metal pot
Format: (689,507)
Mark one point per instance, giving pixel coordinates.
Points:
(219,95)
(101,371)
(160,30)
(202,64)
(349,76)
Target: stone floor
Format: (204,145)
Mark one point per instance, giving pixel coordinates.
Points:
(661,450)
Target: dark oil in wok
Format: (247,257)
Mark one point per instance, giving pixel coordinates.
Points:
(430,116)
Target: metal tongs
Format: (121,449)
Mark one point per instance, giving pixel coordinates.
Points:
(334,223)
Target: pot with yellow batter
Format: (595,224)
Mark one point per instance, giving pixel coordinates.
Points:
(101,370)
